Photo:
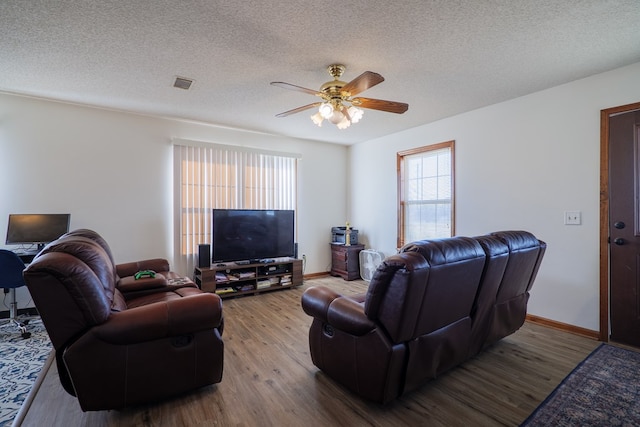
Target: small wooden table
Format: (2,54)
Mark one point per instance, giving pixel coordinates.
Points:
(345,261)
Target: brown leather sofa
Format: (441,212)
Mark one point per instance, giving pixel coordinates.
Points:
(427,309)
(119,341)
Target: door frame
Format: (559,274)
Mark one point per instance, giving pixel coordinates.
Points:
(604,214)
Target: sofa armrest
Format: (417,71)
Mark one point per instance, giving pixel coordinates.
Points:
(316,301)
(344,313)
(162,319)
(348,316)
(130,268)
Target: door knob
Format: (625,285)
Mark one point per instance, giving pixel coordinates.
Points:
(619,225)
(618,241)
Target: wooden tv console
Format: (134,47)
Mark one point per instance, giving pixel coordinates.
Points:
(232,279)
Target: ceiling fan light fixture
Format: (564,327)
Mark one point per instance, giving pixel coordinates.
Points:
(355,114)
(317,119)
(344,123)
(326,110)
(337,117)
(336,113)
(339,103)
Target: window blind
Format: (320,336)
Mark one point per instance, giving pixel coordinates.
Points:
(210,176)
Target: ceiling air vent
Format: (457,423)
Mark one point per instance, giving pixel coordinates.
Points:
(182,83)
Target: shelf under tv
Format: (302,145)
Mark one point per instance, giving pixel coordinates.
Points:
(232,279)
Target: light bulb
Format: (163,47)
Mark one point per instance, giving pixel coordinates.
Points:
(326,110)
(355,114)
(336,117)
(317,119)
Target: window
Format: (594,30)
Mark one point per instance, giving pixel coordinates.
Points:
(425,193)
(224,177)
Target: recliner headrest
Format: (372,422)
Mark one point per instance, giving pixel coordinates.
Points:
(92,235)
(517,240)
(446,251)
(91,254)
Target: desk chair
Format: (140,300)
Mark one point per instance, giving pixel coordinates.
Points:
(11,267)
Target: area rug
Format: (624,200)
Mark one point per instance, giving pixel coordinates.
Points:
(603,390)
(21,360)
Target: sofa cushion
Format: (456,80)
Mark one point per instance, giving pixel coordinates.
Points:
(525,253)
(482,314)
(395,293)
(166,295)
(454,278)
(119,303)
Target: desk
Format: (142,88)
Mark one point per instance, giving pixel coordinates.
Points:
(26,257)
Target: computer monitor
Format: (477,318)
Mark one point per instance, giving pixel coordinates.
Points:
(36,229)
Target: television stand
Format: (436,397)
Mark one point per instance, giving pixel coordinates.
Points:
(242,278)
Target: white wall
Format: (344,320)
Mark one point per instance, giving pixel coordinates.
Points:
(519,164)
(113,172)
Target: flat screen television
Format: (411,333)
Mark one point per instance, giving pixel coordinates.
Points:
(252,235)
(36,229)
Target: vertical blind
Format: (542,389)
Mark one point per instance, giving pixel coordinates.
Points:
(224,177)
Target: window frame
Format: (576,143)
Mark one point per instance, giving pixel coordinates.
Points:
(400,159)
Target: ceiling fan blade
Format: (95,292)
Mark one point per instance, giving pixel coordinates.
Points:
(363,82)
(379,104)
(299,109)
(345,111)
(289,86)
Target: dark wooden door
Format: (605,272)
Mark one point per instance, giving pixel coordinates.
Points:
(624,226)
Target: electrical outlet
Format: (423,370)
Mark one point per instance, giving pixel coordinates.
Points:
(572,218)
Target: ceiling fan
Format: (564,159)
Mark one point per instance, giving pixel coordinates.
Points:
(339,104)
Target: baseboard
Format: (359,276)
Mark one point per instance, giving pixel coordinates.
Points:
(29,311)
(576,330)
(316,275)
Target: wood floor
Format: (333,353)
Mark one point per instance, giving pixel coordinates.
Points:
(269,379)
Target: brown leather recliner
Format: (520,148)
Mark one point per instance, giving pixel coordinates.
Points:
(121,342)
(427,309)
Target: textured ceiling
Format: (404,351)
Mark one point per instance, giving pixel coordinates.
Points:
(442,57)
